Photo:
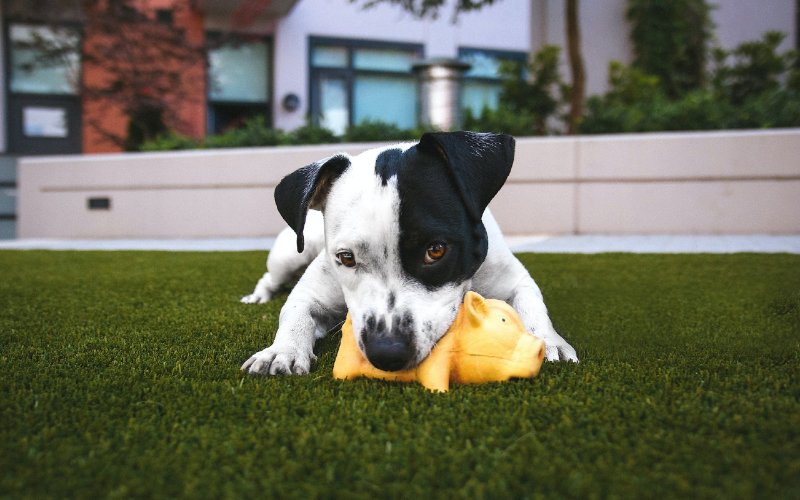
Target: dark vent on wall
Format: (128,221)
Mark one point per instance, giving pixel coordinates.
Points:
(100,203)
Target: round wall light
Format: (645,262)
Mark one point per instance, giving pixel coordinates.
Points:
(291,102)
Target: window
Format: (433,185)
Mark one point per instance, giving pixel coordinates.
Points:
(44,71)
(238,82)
(357,81)
(483,82)
(44,60)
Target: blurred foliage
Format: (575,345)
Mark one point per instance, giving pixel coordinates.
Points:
(671,41)
(171,141)
(311,134)
(751,86)
(529,100)
(373,131)
(255,133)
(757,68)
(145,123)
(429,8)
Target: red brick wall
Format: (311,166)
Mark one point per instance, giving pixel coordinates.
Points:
(116,57)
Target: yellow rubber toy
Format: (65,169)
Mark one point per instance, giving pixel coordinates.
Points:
(487,342)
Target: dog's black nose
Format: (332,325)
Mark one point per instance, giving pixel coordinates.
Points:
(389,347)
(388,353)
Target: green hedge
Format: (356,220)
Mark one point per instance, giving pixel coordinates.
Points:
(752,86)
(255,133)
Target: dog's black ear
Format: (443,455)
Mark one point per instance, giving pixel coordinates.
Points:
(307,188)
(480,163)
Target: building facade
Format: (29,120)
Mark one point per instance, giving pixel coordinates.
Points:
(291,61)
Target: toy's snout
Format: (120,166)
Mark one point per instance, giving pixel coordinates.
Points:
(389,347)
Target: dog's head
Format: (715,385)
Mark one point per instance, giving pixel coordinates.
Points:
(403,233)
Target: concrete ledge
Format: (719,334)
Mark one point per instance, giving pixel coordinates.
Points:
(680,183)
(586,244)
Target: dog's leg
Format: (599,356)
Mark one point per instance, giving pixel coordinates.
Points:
(502,276)
(518,289)
(313,307)
(527,300)
(284,264)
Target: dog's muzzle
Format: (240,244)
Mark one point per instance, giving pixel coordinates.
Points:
(389,349)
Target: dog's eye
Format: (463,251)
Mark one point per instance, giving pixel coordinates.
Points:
(435,252)
(346,259)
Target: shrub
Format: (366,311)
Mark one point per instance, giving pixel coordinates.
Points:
(253,133)
(377,131)
(760,89)
(757,68)
(670,41)
(171,141)
(146,122)
(502,120)
(529,99)
(312,134)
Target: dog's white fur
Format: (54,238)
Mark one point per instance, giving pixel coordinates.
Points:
(361,212)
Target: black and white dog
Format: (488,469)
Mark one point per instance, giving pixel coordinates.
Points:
(406,233)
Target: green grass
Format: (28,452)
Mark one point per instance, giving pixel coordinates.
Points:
(119,377)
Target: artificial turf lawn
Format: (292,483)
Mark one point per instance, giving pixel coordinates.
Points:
(120,377)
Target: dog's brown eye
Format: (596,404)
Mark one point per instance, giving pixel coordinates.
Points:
(435,252)
(346,259)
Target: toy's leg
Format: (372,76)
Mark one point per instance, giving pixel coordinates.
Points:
(434,372)
(349,359)
(314,306)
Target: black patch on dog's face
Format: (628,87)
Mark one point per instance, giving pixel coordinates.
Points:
(387,163)
(432,211)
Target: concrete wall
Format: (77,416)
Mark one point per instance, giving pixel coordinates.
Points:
(718,182)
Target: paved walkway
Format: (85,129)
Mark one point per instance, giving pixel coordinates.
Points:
(541,244)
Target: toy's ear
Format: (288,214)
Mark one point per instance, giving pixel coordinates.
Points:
(476,308)
(307,188)
(480,163)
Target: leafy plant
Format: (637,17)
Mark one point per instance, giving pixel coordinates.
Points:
(671,41)
(254,132)
(377,131)
(171,141)
(760,88)
(312,134)
(529,99)
(756,68)
(500,120)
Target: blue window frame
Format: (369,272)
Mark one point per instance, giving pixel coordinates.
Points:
(483,82)
(239,81)
(43,82)
(354,81)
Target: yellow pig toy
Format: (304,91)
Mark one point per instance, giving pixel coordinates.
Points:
(487,342)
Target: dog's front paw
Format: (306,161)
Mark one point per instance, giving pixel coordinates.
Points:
(564,352)
(257,297)
(279,361)
(558,349)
